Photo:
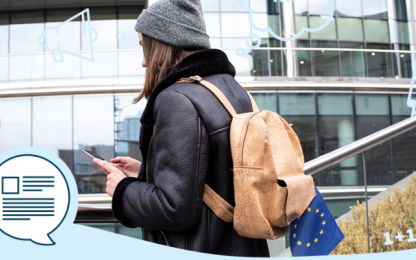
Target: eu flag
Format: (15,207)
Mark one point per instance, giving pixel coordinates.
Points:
(315,232)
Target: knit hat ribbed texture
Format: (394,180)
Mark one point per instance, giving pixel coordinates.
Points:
(178,23)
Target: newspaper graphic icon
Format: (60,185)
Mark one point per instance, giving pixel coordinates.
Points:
(86,32)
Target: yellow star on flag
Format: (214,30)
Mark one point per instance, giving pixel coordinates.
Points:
(317,211)
(308,244)
(322,215)
(316,240)
(299,243)
(321,232)
(296,225)
(294,235)
(309,209)
(324,222)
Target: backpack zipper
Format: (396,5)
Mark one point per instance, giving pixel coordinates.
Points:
(166,240)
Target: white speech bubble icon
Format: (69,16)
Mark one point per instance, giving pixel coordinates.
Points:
(34,198)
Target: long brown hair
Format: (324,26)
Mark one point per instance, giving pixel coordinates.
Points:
(160,59)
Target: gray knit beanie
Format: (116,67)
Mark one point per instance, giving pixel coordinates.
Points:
(178,23)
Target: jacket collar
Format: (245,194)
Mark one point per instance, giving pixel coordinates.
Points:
(202,63)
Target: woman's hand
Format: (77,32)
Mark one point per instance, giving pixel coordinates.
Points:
(129,166)
(114,175)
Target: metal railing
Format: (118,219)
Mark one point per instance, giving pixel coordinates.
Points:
(97,207)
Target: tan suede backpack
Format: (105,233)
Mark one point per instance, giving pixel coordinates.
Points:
(270,187)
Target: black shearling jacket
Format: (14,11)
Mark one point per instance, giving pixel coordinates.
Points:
(189,147)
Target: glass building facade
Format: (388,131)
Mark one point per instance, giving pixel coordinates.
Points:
(333,86)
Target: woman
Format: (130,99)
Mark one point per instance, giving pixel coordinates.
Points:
(184,138)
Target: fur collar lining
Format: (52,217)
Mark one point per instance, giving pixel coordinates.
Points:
(202,63)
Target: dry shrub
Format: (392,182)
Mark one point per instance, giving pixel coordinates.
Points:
(393,214)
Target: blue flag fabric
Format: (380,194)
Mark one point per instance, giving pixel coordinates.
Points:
(315,232)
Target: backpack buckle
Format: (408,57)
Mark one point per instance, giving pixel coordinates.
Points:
(196,78)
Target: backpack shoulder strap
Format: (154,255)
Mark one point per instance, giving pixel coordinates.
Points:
(220,96)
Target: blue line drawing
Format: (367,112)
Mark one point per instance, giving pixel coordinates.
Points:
(241,52)
(61,51)
(15,191)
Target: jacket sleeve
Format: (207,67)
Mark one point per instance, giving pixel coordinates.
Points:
(173,201)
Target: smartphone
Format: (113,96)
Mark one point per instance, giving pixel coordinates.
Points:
(92,155)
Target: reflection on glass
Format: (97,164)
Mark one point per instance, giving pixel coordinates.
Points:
(403,32)
(127,125)
(376,30)
(328,33)
(127,36)
(210,5)
(350,29)
(233,6)
(24,38)
(106,40)
(375,9)
(379,64)
(26,67)
(262,5)
(234,25)
(349,8)
(93,130)
(319,7)
(299,111)
(266,101)
(52,128)
(401,10)
(4,39)
(402,61)
(301,6)
(336,129)
(352,62)
(68,37)
(304,60)
(267,20)
(302,22)
(212,22)
(25,17)
(326,63)
(15,123)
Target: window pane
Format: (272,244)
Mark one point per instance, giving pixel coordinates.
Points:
(299,111)
(4,18)
(376,30)
(127,125)
(106,40)
(93,130)
(27,17)
(352,62)
(61,15)
(350,29)
(301,6)
(266,101)
(349,8)
(264,20)
(402,61)
(261,5)
(326,63)
(233,6)
(210,5)
(379,64)
(212,22)
(52,128)
(131,12)
(399,106)
(319,7)
(127,36)
(371,105)
(68,37)
(15,123)
(24,38)
(375,8)
(401,10)
(239,27)
(328,33)
(336,129)
(103,13)
(304,59)
(302,21)
(403,32)
(4,39)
